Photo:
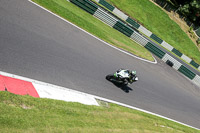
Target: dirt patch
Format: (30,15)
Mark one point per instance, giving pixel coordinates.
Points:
(10,103)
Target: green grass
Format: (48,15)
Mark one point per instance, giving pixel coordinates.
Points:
(89,23)
(28,114)
(159,23)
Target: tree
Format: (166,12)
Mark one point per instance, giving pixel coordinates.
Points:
(180,2)
(191,10)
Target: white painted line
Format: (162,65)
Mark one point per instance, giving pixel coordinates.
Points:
(145,31)
(186,58)
(135,108)
(155,62)
(64,95)
(85,94)
(120,14)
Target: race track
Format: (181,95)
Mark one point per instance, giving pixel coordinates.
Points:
(39,45)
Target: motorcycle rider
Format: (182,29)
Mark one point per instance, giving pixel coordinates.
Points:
(126,75)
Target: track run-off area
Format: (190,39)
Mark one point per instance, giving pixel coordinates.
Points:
(38,45)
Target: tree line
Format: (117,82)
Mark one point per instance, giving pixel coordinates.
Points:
(189,9)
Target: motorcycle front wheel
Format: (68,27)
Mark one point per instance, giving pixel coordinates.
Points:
(108,77)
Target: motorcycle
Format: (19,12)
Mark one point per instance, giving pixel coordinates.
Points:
(121,79)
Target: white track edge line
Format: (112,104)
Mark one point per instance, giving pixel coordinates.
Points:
(86,94)
(142,110)
(155,61)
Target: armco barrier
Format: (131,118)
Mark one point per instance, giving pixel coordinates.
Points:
(86,5)
(128,31)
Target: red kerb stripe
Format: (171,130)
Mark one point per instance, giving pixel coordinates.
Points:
(17,86)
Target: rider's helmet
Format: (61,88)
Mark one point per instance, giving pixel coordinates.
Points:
(133,72)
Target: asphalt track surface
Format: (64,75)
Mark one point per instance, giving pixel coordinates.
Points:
(38,45)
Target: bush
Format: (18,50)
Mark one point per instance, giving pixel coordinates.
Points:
(198,41)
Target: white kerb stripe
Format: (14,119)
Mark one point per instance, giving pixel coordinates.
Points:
(105,17)
(167,46)
(176,65)
(196,80)
(139,39)
(187,59)
(145,31)
(97,1)
(65,95)
(120,14)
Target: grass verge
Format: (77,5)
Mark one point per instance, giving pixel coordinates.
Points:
(159,23)
(89,23)
(28,114)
